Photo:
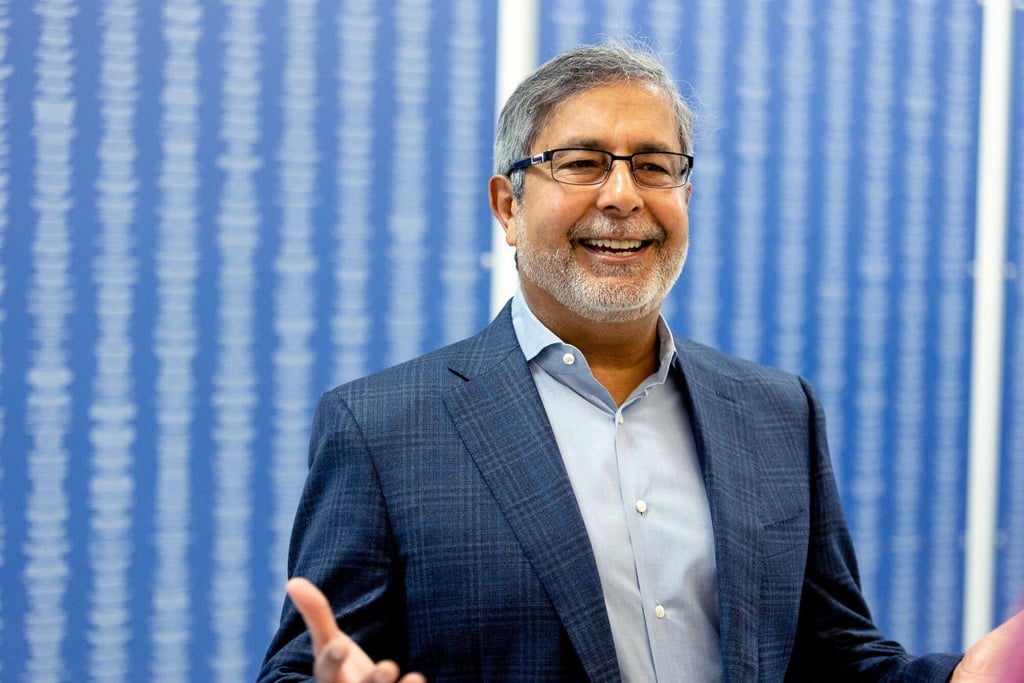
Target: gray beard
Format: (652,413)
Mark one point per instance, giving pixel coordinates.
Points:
(588,294)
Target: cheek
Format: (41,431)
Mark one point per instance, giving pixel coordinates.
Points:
(675,220)
(550,225)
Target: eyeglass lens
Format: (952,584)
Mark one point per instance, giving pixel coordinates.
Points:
(590,166)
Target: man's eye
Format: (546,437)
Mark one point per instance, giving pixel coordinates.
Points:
(581,163)
(648,167)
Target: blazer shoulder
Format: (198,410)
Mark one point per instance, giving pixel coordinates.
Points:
(729,367)
(708,371)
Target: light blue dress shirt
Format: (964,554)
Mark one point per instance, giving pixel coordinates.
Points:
(638,482)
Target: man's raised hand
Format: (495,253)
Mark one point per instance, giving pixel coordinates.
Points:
(337,658)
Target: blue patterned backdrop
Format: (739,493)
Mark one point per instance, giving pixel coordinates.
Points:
(1010,555)
(212,212)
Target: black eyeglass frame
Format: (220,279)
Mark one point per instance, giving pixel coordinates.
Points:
(548,155)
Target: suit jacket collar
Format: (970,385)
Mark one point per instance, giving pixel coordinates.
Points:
(724,433)
(501,419)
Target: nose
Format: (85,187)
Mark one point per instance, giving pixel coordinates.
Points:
(619,193)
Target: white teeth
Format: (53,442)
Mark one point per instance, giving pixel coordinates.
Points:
(616,244)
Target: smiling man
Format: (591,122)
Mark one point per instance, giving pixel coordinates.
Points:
(575,494)
(599,223)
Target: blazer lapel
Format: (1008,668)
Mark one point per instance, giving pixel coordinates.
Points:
(724,439)
(503,424)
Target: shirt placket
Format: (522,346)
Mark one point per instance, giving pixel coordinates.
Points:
(634,488)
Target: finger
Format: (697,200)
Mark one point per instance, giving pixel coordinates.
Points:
(328,662)
(315,611)
(384,672)
(387,671)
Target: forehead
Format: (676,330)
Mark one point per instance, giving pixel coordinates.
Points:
(617,117)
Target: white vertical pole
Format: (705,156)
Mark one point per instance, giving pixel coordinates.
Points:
(517,57)
(987,326)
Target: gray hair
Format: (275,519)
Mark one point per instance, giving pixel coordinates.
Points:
(572,72)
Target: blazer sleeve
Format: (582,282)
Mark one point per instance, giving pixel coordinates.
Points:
(836,638)
(351,563)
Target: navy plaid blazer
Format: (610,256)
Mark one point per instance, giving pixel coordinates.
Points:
(439,520)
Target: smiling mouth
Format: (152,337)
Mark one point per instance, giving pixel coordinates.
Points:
(615,246)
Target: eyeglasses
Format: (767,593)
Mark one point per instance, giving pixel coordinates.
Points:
(582,166)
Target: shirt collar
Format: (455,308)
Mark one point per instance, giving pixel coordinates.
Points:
(534,337)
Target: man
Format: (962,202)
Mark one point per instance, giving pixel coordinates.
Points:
(573,494)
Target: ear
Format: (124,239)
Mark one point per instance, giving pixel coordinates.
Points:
(504,206)
(689,193)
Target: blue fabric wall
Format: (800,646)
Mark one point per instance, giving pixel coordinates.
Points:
(212,212)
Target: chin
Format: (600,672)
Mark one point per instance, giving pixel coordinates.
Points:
(618,315)
(594,309)
(616,302)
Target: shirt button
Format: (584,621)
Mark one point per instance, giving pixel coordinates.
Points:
(622,419)
(641,507)
(568,358)
(659,611)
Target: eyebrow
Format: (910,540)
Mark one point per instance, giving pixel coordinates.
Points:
(590,143)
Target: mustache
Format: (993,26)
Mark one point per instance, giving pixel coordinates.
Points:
(603,227)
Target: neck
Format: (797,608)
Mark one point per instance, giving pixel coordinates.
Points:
(620,354)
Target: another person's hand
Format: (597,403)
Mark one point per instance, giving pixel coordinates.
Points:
(986,661)
(337,658)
